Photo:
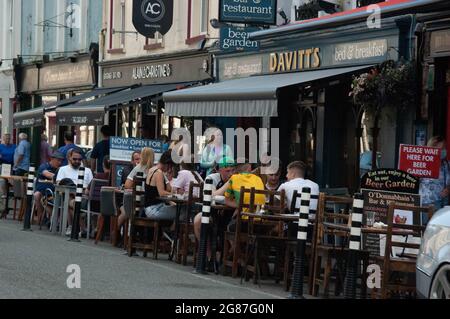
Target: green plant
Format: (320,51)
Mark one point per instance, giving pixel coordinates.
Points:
(391,84)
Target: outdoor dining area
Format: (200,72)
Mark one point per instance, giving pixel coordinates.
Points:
(311,245)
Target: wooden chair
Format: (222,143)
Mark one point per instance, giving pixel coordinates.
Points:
(143,225)
(271,236)
(93,199)
(238,237)
(399,269)
(19,194)
(107,208)
(331,244)
(291,246)
(187,225)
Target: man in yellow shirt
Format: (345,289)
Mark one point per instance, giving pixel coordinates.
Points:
(244,178)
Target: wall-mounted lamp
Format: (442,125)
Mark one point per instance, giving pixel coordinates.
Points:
(284,16)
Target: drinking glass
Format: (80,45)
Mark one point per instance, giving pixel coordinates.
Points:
(370,219)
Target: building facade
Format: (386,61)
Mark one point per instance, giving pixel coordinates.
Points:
(10,47)
(58,61)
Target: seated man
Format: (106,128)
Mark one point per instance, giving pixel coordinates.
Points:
(70,171)
(45,177)
(244,178)
(296,181)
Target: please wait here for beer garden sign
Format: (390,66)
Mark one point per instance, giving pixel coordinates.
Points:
(420,161)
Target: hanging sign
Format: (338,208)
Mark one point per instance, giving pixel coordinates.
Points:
(420,161)
(237,39)
(151,16)
(248,11)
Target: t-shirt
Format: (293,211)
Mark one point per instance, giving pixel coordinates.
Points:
(7,153)
(64,150)
(184,179)
(69,172)
(217,181)
(135,170)
(41,187)
(24,148)
(101,149)
(247,180)
(45,152)
(298,184)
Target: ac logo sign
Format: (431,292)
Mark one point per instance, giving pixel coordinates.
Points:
(153,10)
(151,16)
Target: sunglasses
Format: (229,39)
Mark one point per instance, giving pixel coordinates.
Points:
(77,159)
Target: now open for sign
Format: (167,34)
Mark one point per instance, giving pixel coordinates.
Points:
(420,161)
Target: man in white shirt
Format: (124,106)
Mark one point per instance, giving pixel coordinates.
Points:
(71,172)
(296,181)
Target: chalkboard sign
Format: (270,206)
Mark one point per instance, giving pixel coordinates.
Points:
(390,180)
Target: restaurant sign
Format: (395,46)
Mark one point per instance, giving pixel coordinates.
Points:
(378,201)
(360,51)
(391,180)
(237,39)
(160,71)
(297,60)
(420,161)
(63,75)
(248,11)
(121,148)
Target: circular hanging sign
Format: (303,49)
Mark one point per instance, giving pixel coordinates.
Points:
(151,16)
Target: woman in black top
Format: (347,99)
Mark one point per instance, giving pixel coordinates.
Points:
(157,185)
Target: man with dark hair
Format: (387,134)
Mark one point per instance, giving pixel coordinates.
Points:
(295,176)
(71,172)
(101,149)
(69,144)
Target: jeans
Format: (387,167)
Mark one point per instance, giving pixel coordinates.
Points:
(161,212)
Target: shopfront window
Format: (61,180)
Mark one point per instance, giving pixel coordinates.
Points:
(366,143)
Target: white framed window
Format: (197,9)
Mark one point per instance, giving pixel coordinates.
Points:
(122,23)
(204,16)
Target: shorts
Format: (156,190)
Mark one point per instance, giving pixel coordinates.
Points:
(161,212)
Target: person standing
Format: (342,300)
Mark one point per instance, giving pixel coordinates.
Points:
(69,144)
(214,151)
(101,149)
(436,191)
(46,150)
(22,156)
(7,150)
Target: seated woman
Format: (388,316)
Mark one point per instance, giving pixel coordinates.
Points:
(157,185)
(186,175)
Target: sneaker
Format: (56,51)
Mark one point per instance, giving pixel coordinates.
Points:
(69,231)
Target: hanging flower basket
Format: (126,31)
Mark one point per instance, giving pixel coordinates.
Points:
(389,85)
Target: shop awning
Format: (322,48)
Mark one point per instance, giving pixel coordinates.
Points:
(255,96)
(93,112)
(74,99)
(29,118)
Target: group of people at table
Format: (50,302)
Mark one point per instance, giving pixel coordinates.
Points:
(166,178)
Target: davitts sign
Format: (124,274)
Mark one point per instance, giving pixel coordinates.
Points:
(297,60)
(151,16)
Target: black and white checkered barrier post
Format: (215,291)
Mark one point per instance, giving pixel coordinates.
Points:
(27,218)
(77,208)
(138,194)
(206,213)
(354,246)
(302,235)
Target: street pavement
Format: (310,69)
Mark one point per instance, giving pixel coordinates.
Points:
(34,265)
